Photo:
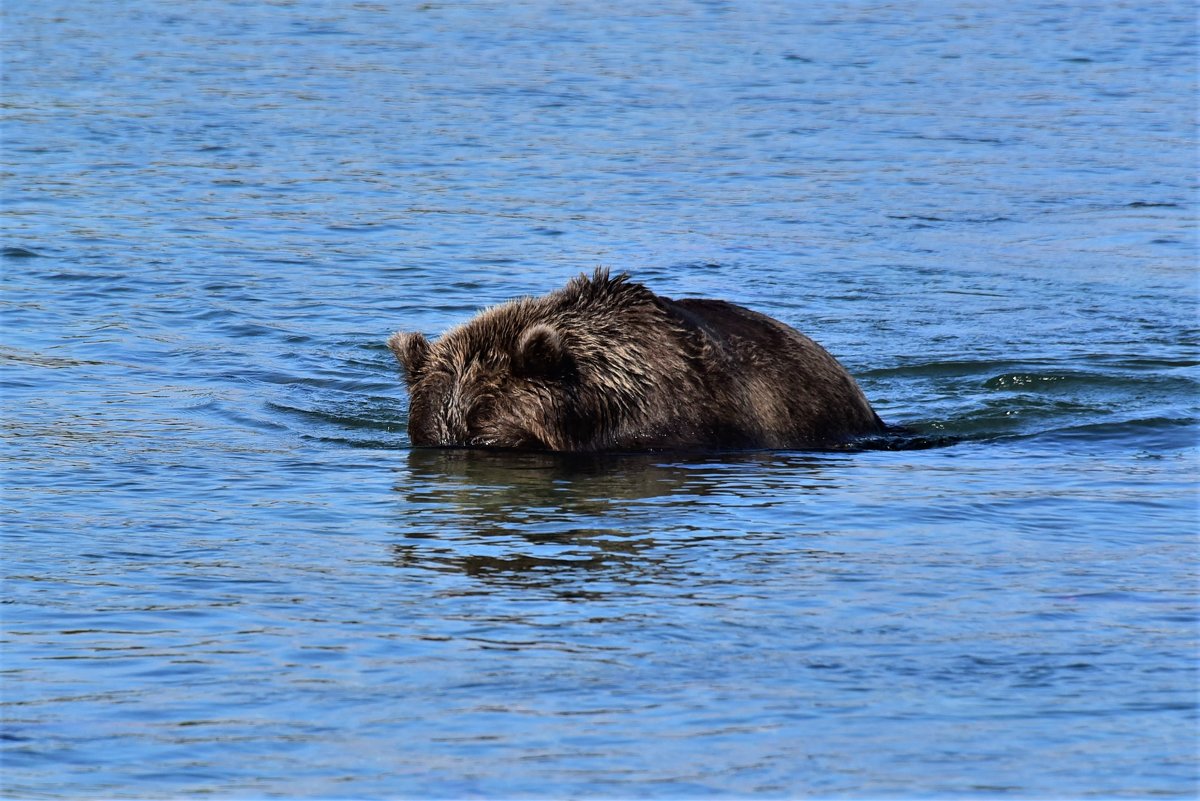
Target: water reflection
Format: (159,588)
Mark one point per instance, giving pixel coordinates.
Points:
(553,519)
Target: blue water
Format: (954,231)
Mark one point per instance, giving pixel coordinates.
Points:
(226,574)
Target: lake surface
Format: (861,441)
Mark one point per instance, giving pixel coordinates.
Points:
(227,574)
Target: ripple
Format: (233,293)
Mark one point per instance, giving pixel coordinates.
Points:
(19,253)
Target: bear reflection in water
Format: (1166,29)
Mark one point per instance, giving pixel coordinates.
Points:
(604,364)
(564,521)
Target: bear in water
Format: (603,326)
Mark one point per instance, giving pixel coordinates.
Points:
(604,364)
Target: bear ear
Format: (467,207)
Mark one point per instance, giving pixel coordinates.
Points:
(411,350)
(541,353)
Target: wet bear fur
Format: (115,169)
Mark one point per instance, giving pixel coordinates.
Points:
(605,364)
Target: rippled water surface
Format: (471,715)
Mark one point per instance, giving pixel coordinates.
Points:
(227,574)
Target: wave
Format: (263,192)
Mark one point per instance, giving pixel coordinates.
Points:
(1117,401)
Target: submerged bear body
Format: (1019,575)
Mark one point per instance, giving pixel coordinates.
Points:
(604,364)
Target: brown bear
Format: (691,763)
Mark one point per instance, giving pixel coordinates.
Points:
(604,364)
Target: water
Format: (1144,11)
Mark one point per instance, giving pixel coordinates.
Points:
(226,573)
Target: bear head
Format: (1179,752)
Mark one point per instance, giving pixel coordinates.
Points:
(575,370)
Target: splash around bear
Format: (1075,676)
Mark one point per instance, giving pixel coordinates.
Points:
(604,364)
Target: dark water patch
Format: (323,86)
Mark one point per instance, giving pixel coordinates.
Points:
(902,438)
(385,418)
(1150,434)
(19,253)
(948,368)
(238,416)
(1105,383)
(44,360)
(960,138)
(1049,422)
(955,220)
(281,260)
(924,218)
(1011,398)
(366,228)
